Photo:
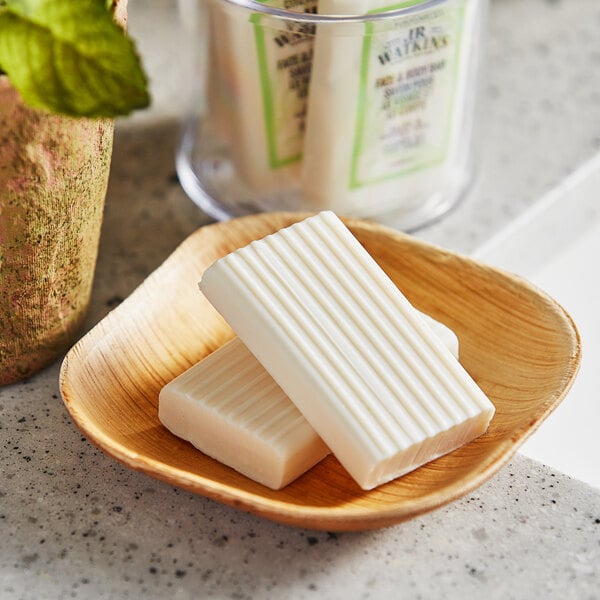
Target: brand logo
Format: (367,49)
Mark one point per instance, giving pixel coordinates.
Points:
(419,40)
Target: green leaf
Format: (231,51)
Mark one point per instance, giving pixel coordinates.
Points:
(70,57)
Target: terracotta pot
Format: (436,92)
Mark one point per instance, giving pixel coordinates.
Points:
(53,178)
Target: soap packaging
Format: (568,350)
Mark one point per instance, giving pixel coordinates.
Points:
(262,77)
(385,127)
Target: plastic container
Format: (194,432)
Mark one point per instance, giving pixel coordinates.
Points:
(364,107)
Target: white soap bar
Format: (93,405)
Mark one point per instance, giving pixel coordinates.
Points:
(230,408)
(386,107)
(346,346)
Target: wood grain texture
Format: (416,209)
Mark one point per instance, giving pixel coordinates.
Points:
(517,343)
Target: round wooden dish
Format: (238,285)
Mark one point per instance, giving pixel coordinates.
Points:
(518,344)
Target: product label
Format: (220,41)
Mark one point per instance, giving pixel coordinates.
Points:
(285,53)
(407,92)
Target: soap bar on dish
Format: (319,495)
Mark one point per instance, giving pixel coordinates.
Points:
(346,346)
(229,407)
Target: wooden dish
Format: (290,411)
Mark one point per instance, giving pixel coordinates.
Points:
(519,345)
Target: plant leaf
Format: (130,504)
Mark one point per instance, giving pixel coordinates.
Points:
(70,57)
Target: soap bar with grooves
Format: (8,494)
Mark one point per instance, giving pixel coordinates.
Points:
(347,347)
(229,407)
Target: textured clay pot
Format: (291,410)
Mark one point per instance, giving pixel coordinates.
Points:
(53,178)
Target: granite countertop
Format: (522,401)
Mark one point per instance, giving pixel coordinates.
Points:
(76,524)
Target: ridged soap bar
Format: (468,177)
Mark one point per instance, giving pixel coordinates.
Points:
(346,346)
(230,408)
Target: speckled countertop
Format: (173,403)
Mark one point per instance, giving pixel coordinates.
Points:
(76,524)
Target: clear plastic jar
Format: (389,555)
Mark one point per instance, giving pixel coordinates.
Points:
(363,107)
